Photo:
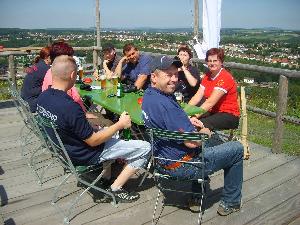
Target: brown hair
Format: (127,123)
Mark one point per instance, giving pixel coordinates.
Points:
(185,48)
(106,49)
(44,53)
(215,51)
(128,47)
(60,48)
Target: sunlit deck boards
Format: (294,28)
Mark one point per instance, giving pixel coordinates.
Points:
(271,191)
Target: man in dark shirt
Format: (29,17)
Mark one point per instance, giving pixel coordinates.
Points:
(160,110)
(84,145)
(137,68)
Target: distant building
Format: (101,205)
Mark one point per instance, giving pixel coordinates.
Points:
(248,80)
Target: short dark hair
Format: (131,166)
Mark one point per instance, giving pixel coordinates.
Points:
(216,51)
(107,48)
(127,47)
(185,48)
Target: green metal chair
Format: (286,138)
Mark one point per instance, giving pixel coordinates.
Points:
(30,132)
(52,132)
(161,180)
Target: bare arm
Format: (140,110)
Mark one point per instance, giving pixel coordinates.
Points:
(212,100)
(197,97)
(118,70)
(189,77)
(194,144)
(102,136)
(139,83)
(108,72)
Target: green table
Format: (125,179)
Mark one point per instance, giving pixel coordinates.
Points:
(128,103)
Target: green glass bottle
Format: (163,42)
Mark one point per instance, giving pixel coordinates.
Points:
(127,134)
(119,89)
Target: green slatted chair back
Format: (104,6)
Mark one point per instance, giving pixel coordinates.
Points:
(162,180)
(51,130)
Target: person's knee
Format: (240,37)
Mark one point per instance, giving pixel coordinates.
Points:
(238,149)
(146,148)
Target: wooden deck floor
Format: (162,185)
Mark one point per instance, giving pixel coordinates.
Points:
(271,191)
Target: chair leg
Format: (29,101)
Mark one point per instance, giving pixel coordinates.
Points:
(146,172)
(200,209)
(56,190)
(41,176)
(155,220)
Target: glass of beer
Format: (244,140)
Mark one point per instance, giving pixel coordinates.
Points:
(80,71)
(115,82)
(103,81)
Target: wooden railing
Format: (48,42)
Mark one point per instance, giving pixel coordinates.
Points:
(283,74)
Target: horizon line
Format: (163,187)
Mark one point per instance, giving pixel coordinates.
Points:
(145,27)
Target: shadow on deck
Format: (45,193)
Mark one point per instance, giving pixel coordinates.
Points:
(271,191)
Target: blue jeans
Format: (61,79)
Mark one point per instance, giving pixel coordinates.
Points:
(227,156)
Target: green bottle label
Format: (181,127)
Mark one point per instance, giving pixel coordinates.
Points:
(119,90)
(127,134)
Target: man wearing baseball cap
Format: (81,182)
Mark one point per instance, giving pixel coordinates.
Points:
(160,110)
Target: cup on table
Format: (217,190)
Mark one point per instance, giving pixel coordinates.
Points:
(102,81)
(80,72)
(114,80)
(179,97)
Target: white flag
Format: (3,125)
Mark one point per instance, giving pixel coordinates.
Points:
(211,27)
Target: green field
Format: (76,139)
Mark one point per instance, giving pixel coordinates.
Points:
(261,130)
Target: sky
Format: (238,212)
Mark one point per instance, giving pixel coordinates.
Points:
(145,13)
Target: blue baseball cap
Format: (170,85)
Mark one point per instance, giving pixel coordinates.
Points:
(164,62)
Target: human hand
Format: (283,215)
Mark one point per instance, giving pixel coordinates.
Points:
(124,59)
(90,116)
(196,122)
(125,120)
(184,68)
(109,75)
(96,75)
(207,131)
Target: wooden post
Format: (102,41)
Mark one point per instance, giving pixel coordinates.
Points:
(96,53)
(281,110)
(11,68)
(196,18)
(244,134)
(95,59)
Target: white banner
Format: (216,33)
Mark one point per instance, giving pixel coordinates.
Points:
(211,27)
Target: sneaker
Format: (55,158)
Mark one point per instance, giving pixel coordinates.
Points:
(125,196)
(225,210)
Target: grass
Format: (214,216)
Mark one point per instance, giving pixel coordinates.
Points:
(261,131)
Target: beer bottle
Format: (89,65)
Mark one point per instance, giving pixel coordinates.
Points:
(119,89)
(127,134)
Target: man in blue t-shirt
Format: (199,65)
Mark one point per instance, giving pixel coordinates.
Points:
(84,145)
(160,110)
(137,68)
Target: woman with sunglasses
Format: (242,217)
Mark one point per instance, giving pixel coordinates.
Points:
(218,92)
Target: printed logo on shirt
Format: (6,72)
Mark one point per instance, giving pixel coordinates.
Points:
(43,112)
(220,83)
